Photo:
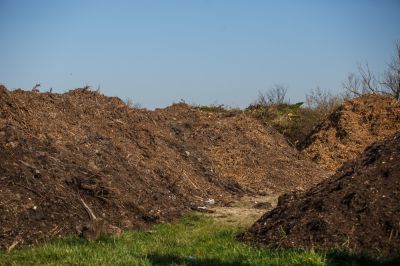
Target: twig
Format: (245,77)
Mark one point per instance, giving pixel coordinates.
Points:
(190,180)
(13,245)
(33,191)
(88,210)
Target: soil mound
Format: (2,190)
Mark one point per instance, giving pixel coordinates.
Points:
(351,128)
(65,158)
(241,148)
(357,208)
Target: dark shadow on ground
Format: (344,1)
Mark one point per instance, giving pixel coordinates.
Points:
(333,258)
(338,258)
(162,260)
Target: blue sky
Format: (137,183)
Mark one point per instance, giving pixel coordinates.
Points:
(204,52)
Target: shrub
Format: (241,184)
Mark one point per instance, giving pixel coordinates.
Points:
(289,119)
(294,121)
(275,95)
(218,108)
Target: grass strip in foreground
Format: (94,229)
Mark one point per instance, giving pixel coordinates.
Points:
(193,240)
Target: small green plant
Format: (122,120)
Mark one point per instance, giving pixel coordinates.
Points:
(282,232)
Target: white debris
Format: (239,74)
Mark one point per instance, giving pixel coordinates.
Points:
(210,201)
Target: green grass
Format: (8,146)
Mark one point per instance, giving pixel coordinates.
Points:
(193,240)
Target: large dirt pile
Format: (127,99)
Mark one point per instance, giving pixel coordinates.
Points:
(241,148)
(351,128)
(131,167)
(357,208)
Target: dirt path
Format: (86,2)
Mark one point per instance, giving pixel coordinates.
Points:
(245,211)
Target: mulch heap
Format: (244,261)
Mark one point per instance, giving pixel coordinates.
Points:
(67,160)
(357,208)
(351,128)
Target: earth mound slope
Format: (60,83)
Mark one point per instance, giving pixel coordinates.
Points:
(357,208)
(351,128)
(65,155)
(241,148)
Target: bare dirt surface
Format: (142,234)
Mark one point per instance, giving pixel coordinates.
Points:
(351,128)
(63,156)
(357,208)
(243,212)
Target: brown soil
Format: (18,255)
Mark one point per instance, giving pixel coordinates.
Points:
(130,167)
(357,208)
(351,128)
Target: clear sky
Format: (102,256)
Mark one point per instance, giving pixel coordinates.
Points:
(204,52)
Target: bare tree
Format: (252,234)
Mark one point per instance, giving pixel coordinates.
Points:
(366,82)
(275,95)
(323,100)
(131,104)
(391,78)
(352,84)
